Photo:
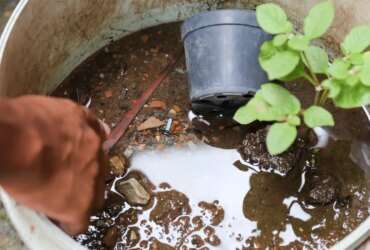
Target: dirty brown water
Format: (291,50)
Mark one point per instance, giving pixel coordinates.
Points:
(261,210)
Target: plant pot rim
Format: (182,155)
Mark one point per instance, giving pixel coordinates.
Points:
(219,17)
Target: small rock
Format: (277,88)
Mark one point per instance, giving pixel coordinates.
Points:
(128,152)
(133,236)
(127,218)
(111,237)
(156,104)
(134,192)
(150,123)
(172,113)
(114,210)
(118,165)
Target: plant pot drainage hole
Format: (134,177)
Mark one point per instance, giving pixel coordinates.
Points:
(209,183)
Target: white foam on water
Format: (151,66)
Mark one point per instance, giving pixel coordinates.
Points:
(203,173)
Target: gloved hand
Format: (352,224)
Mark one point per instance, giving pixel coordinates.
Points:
(51,158)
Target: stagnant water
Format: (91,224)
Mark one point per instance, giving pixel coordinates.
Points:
(260,206)
(245,208)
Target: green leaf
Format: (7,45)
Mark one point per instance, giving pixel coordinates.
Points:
(280,64)
(333,86)
(365,76)
(299,43)
(258,109)
(356,59)
(280,40)
(298,72)
(244,115)
(280,137)
(316,116)
(273,19)
(352,80)
(317,59)
(279,97)
(267,50)
(294,120)
(357,40)
(353,96)
(319,20)
(365,73)
(263,111)
(271,114)
(339,69)
(366,57)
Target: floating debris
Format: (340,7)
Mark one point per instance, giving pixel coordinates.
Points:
(151,122)
(167,130)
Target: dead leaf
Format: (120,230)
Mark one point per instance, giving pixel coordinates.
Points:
(157,104)
(176,108)
(177,127)
(151,122)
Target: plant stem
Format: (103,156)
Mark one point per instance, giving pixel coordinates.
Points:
(314,80)
(317,98)
(324,97)
(308,78)
(320,97)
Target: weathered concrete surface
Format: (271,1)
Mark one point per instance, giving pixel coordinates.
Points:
(9,239)
(348,15)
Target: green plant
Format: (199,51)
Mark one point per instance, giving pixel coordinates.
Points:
(291,56)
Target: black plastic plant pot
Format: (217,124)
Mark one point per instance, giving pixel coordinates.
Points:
(222,50)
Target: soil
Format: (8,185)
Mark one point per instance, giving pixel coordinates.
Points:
(292,201)
(254,151)
(323,189)
(120,72)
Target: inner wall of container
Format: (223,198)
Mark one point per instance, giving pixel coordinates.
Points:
(50,38)
(45,40)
